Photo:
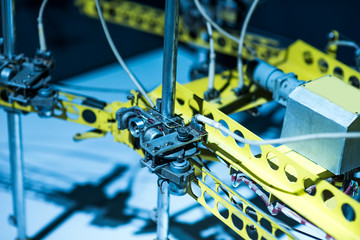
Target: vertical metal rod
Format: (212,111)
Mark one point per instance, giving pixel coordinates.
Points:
(162,227)
(168,103)
(8,26)
(14,125)
(170,57)
(17,171)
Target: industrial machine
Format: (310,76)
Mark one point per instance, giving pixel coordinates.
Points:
(311,175)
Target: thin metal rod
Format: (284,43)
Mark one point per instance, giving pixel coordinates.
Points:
(17,171)
(170,57)
(8,26)
(162,227)
(168,103)
(14,125)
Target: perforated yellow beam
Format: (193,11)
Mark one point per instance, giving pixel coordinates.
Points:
(151,20)
(310,63)
(69,107)
(285,176)
(283,173)
(239,214)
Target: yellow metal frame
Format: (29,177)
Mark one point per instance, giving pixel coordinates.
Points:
(309,63)
(280,171)
(271,170)
(151,20)
(241,214)
(276,180)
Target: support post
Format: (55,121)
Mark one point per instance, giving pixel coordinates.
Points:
(8,27)
(17,172)
(163,200)
(170,57)
(14,126)
(168,103)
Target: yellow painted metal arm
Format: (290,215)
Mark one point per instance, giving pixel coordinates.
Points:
(151,20)
(239,214)
(286,177)
(281,172)
(95,133)
(310,63)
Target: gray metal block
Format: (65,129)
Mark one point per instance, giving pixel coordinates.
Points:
(313,108)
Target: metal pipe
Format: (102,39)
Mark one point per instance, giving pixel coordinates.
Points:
(17,170)
(168,103)
(163,200)
(170,57)
(8,26)
(273,80)
(14,125)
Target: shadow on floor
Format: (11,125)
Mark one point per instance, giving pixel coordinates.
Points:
(113,212)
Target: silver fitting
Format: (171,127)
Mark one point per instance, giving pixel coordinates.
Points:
(180,166)
(135,126)
(273,80)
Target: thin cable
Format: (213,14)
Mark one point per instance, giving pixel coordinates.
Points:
(42,40)
(88,88)
(243,178)
(286,226)
(274,210)
(300,138)
(208,19)
(212,58)
(219,29)
(345,44)
(241,43)
(299,231)
(118,56)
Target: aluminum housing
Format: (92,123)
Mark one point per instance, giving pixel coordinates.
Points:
(324,105)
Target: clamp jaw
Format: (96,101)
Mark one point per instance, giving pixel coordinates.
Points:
(167,144)
(26,80)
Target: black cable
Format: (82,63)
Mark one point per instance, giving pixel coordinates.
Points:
(160,182)
(94,89)
(253,212)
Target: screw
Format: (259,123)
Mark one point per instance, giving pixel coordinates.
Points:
(331,36)
(183,134)
(38,65)
(183,131)
(157,148)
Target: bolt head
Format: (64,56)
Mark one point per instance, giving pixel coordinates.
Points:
(331,36)
(183,131)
